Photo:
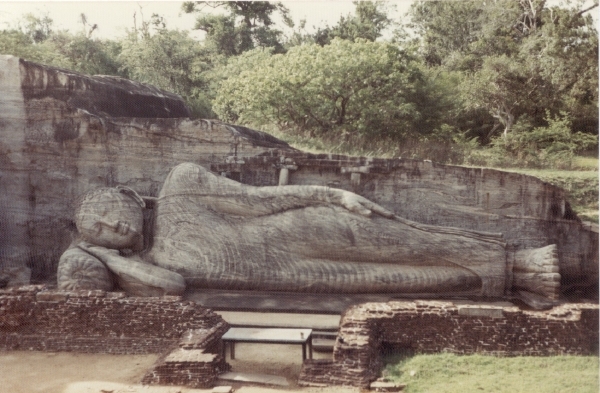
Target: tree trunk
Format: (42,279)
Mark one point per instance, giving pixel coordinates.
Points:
(505,117)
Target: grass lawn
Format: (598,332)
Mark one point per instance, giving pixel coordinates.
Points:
(445,373)
(585,163)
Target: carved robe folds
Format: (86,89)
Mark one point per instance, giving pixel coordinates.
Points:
(213,232)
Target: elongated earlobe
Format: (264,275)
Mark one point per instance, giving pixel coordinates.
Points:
(134,195)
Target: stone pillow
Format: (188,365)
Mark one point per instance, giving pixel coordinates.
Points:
(79,270)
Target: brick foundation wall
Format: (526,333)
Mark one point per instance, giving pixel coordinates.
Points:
(192,368)
(196,362)
(34,318)
(435,326)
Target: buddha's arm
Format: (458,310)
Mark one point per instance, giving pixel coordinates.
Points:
(258,201)
(138,277)
(230,197)
(281,198)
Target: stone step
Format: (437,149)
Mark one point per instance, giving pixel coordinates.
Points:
(323,341)
(323,344)
(263,379)
(331,335)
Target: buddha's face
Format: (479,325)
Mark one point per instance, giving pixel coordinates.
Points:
(112,220)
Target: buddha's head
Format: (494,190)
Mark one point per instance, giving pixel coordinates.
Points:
(111,218)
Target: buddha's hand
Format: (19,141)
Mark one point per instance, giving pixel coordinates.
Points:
(118,226)
(97,251)
(360,205)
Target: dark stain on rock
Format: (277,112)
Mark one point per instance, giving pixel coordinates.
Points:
(555,211)
(258,138)
(105,96)
(65,131)
(569,213)
(31,197)
(415,172)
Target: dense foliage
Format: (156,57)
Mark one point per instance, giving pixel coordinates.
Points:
(517,78)
(366,88)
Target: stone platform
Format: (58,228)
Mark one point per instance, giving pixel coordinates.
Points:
(301,303)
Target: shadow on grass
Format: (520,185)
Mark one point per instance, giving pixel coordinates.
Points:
(394,358)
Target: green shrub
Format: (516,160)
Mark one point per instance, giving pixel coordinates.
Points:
(344,91)
(553,146)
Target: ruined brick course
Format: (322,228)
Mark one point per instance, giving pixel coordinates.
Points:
(196,362)
(192,368)
(435,326)
(34,318)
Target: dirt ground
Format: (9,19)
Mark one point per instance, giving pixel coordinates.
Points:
(49,372)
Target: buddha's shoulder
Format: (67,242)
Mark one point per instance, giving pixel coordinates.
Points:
(187,173)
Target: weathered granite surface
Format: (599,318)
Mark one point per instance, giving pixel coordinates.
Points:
(101,95)
(57,142)
(214,232)
(54,147)
(218,233)
(529,213)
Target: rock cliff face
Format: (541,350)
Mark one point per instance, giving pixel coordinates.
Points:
(100,95)
(529,212)
(63,133)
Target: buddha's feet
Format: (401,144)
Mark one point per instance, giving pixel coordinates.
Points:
(537,271)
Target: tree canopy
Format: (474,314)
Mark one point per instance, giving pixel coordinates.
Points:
(459,74)
(247,25)
(361,87)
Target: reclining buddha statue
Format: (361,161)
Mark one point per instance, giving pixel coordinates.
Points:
(213,232)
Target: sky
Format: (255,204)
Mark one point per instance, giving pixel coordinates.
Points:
(113,17)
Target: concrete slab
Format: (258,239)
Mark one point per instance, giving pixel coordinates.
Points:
(282,320)
(263,379)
